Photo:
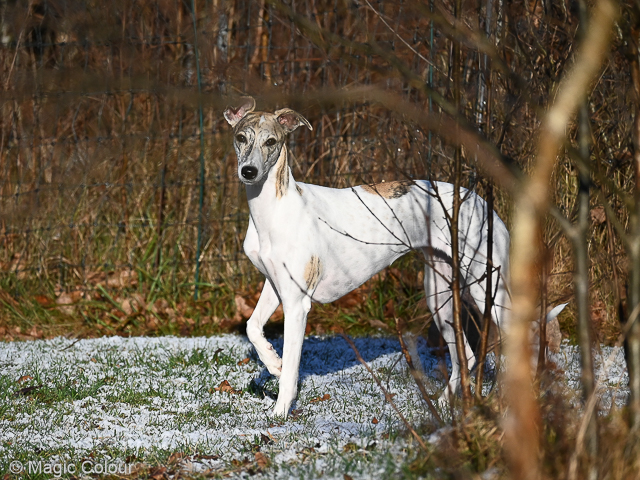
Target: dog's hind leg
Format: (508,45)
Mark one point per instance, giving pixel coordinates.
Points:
(500,298)
(437,286)
(267,304)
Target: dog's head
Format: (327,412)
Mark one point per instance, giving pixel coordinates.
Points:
(258,137)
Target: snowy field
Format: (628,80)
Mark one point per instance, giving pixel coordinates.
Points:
(199,405)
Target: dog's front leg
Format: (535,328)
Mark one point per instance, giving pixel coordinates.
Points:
(295,322)
(267,304)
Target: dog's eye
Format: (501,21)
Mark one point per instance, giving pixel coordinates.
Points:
(271,142)
(241,138)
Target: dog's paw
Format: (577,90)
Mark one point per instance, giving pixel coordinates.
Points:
(275,369)
(280,411)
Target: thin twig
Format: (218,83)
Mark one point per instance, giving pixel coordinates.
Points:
(387,395)
(417,375)
(429,62)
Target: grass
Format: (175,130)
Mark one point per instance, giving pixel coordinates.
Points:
(162,394)
(150,306)
(160,406)
(100,170)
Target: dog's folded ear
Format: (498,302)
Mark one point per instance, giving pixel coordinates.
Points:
(291,120)
(234,114)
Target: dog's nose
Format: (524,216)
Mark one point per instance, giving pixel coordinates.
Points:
(249,172)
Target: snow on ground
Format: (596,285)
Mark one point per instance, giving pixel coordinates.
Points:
(141,399)
(610,369)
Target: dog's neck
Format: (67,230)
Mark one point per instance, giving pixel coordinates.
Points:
(278,186)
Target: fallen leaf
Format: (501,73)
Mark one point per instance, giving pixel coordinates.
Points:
(96,277)
(185,327)
(347,477)
(244,361)
(18,265)
(43,301)
(243,309)
(352,299)
(136,303)
(228,323)
(122,278)
(65,302)
(151,322)
(239,463)
(378,324)
(34,332)
(206,320)
(157,473)
(278,314)
(159,306)
(25,378)
(389,309)
(374,421)
(598,215)
(262,460)
(324,398)
(225,386)
(176,457)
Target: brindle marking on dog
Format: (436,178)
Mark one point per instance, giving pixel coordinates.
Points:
(389,190)
(298,189)
(312,272)
(282,174)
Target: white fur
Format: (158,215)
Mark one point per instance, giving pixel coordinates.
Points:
(354,233)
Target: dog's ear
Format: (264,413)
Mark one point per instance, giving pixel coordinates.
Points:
(291,120)
(234,114)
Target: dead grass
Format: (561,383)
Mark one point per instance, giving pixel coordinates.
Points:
(100,140)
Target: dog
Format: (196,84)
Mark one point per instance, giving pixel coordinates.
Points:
(314,243)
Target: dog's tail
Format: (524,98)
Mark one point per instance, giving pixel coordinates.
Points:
(553,334)
(555,311)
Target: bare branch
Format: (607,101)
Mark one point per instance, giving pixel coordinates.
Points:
(416,374)
(387,395)
(521,431)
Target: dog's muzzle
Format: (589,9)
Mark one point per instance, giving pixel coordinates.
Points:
(249,173)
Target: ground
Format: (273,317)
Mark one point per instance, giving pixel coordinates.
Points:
(198,406)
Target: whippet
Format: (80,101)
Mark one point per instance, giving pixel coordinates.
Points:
(318,243)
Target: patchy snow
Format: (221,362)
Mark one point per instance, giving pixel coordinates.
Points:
(144,398)
(612,381)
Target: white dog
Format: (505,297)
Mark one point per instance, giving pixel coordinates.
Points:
(317,243)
